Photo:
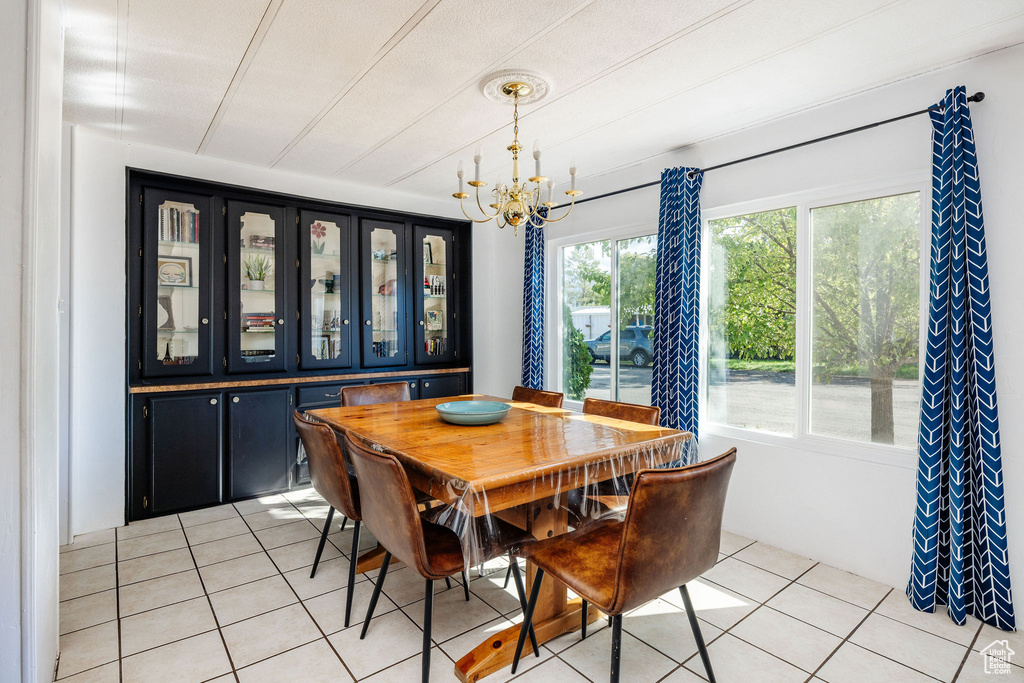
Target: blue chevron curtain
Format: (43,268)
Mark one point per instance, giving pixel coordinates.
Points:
(533,307)
(674,386)
(960,556)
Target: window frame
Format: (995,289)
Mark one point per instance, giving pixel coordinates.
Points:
(554,332)
(805,202)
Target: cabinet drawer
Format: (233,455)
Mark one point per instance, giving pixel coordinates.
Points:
(440,386)
(322,394)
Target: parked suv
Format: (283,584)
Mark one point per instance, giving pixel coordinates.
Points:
(634,345)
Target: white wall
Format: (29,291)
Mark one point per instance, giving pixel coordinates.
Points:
(855,514)
(31,63)
(98,281)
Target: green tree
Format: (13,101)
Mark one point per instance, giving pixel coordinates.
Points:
(585,282)
(866,294)
(637,271)
(577,368)
(754,300)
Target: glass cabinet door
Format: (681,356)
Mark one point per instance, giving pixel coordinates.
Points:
(177,244)
(435,338)
(327,258)
(382,252)
(257,278)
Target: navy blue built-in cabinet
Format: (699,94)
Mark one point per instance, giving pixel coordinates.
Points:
(245,305)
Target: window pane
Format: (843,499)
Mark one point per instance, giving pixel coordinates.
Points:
(586,316)
(752,321)
(866,319)
(636,277)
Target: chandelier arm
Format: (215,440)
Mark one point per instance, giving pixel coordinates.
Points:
(475,220)
(555,220)
(481,206)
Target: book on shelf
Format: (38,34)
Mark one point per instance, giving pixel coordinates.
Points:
(175,225)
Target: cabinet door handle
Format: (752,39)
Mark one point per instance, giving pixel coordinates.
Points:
(213,401)
(421,323)
(234,400)
(206,321)
(366,322)
(280,321)
(333,395)
(345,321)
(426,384)
(413,385)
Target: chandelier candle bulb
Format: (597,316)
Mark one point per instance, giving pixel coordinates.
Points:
(476,160)
(460,173)
(551,189)
(536,158)
(572,175)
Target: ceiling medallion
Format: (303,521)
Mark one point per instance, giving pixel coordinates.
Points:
(519,203)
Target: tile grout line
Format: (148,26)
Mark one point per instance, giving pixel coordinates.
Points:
(970,648)
(848,635)
(299,598)
(216,621)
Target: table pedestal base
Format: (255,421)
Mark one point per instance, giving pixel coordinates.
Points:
(497,652)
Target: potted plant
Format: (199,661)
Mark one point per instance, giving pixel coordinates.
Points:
(257,268)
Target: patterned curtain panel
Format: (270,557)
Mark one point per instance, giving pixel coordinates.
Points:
(960,557)
(533,308)
(677,301)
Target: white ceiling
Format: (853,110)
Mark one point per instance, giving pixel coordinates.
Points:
(387,93)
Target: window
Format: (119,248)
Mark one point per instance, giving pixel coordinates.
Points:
(855,377)
(607,301)
(866,289)
(751,368)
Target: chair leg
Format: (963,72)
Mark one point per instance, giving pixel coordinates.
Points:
(376,593)
(465,584)
(528,618)
(447,582)
(353,558)
(323,540)
(522,602)
(344,522)
(616,647)
(508,572)
(695,627)
(428,610)
(583,627)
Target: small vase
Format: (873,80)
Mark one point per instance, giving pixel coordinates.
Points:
(256,284)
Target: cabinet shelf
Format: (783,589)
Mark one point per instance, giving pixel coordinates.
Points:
(167,332)
(163,286)
(177,243)
(258,290)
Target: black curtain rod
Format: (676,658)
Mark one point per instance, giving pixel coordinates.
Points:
(976,97)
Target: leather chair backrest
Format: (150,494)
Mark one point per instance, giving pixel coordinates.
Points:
(631,412)
(673,529)
(392,392)
(327,467)
(388,504)
(548,399)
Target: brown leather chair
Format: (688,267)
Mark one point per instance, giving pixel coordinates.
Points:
(367,394)
(331,479)
(548,399)
(671,535)
(433,551)
(631,412)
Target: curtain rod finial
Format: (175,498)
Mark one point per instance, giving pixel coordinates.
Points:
(976,97)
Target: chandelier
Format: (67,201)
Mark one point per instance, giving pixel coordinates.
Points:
(519,203)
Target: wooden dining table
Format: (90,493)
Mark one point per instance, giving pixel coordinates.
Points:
(518,469)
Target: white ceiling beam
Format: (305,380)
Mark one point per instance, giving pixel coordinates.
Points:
(243,66)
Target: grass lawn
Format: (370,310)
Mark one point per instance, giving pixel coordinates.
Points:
(908,371)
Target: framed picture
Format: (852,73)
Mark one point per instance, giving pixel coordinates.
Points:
(174,271)
(428,255)
(435,320)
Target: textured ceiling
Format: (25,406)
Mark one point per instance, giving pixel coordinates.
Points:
(387,93)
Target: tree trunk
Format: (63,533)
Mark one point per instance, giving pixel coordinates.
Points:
(881,405)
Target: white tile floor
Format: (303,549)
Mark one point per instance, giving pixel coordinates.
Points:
(224,595)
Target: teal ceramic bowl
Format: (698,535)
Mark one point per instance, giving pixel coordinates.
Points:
(473,412)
